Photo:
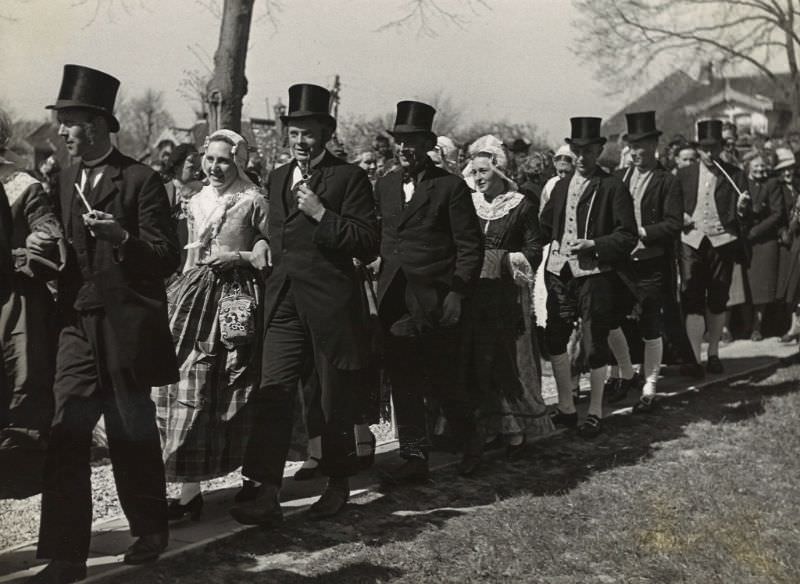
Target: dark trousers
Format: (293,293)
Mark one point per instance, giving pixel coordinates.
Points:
(87,385)
(290,357)
(590,298)
(649,281)
(425,365)
(706,277)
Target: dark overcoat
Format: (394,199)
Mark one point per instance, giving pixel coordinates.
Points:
(317,258)
(5,245)
(130,283)
(435,240)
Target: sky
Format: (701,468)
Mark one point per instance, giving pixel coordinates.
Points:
(509,60)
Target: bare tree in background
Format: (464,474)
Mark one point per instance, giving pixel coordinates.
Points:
(629,39)
(506,131)
(142,119)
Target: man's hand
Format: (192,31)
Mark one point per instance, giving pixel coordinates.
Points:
(104,226)
(688,222)
(581,245)
(309,203)
(375,266)
(223,260)
(743,201)
(39,241)
(451,309)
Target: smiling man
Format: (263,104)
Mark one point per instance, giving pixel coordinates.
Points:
(431,253)
(115,343)
(322,215)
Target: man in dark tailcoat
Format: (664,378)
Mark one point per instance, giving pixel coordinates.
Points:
(590,225)
(658,208)
(115,341)
(322,215)
(431,256)
(716,214)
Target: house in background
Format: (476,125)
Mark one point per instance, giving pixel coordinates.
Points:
(754,104)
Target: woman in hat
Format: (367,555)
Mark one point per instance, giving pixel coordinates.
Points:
(203,418)
(761,274)
(502,366)
(789,237)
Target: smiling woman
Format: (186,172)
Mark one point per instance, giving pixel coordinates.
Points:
(204,418)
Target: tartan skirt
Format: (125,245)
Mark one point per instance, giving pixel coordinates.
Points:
(204,419)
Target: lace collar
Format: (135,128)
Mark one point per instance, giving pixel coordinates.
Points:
(500,206)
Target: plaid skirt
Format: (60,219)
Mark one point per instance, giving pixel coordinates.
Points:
(204,419)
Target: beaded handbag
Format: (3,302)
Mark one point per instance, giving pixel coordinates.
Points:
(237,316)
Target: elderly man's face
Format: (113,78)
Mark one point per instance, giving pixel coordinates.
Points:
(307,138)
(412,149)
(369,162)
(78,129)
(708,152)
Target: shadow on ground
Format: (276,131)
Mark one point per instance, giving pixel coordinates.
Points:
(550,467)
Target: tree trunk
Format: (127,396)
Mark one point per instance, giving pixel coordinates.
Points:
(228,86)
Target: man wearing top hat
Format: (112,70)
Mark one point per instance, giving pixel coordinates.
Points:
(431,256)
(322,215)
(716,210)
(590,225)
(115,341)
(658,208)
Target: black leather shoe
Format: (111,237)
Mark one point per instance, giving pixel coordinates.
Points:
(413,470)
(619,390)
(146,549)
(264,510)
(194,508)
(306,473)
(563,420)
(694,370)
(332,501)
(591,427)
(248,492)
(59,572)
(646,403)
(714,365)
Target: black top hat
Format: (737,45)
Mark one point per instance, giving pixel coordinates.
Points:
(709,132)
(309,101)
(413,117)
(585,131)
(88,88)
(641,125)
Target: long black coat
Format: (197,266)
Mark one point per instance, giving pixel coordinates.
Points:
(131,287)
(436,240)
(318,257)
(661,212)
(604,214)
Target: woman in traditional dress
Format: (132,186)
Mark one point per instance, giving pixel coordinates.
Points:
(204,418)
(502,365)
(761,273)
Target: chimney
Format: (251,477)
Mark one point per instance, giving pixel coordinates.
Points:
(707,73)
